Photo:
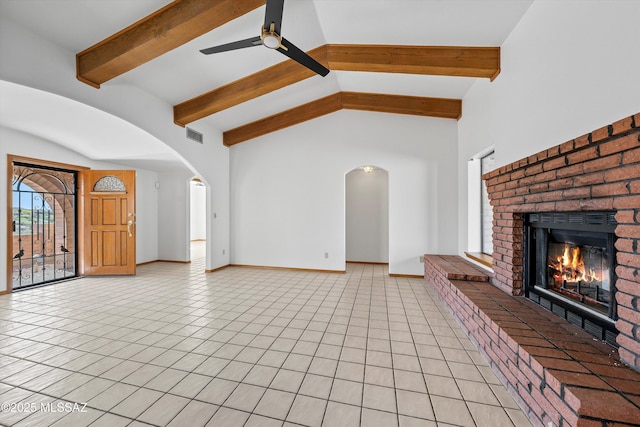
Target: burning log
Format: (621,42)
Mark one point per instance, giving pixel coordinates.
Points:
(570,266)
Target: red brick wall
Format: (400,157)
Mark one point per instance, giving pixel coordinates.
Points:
(597,171)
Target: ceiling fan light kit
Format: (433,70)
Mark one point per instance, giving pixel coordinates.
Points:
(270,38)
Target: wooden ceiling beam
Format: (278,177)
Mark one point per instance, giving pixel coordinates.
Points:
(435,60)
(399,104)
(174,25)
(459,61)
(444,108)
(268,80)
(293,116)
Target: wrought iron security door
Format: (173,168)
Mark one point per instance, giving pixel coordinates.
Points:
(44,225)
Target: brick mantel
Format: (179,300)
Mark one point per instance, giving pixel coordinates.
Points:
(595,172)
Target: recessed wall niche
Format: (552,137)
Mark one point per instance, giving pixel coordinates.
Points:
(367,215)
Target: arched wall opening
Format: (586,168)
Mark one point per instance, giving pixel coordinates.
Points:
(367,215)
(123,142)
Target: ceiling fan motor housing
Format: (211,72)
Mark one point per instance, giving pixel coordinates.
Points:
(270,38)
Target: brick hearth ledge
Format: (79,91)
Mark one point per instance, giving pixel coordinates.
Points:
(556,372)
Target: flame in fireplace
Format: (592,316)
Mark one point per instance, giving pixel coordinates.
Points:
(570,266)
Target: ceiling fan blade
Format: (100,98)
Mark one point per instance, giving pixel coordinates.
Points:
(274,15)
(299,56)
(241,44)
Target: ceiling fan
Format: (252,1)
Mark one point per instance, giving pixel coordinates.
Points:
(270,37)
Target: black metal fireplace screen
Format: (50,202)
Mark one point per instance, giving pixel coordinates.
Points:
(570,268)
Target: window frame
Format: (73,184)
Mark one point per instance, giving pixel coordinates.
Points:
(474,208)
(485,205)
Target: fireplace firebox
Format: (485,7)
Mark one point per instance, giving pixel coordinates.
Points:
(569,268)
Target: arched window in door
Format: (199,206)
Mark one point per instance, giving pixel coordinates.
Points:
(109,183)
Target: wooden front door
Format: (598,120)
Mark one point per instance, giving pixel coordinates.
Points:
(109,216)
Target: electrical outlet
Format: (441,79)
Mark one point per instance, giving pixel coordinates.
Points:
(224,251)
(421,259)
(326,255)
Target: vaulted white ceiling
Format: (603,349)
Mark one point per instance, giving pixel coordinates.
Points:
(184,72)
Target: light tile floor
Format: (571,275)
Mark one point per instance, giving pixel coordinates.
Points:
(242,347)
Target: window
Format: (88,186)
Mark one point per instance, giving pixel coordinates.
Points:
(487,164)
(479,211)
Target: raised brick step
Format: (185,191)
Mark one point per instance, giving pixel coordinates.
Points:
(455,268)
(556,371)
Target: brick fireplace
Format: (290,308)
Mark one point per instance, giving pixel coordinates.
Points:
(535,320)
(600,172)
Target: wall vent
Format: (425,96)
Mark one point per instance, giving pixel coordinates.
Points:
(195,136)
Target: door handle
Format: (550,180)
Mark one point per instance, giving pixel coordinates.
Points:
(129,225)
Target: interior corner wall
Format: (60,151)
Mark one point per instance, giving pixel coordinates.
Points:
(25,145)
(367,216)
(288,189)
(567,68)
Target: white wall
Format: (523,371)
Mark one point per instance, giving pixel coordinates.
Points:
(25,145)
(288,191)
(173,216)
(50,68)
(146,215)
(198,211)
(367,215)
(569,67)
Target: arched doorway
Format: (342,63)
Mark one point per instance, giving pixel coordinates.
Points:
(43,225)
(367,215)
